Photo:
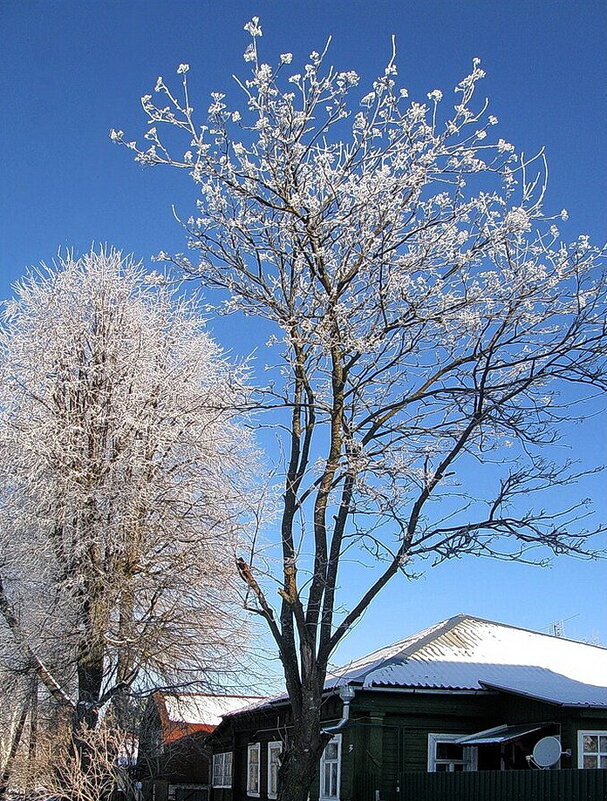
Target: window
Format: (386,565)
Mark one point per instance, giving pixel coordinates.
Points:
(222,769)
(445,755)
(274,751)
(330,769)
(592,749)
(253,769)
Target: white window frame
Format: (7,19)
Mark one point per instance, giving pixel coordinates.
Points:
(323,796)
(580,747)
(470,753)
(225,769)
(253,792)
(274,745)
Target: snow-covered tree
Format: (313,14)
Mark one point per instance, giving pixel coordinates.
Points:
(427,312)
(123,484)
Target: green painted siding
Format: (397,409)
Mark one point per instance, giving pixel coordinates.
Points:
(387,738)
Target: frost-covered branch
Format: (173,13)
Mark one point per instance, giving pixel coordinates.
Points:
(127,480)
(428,317)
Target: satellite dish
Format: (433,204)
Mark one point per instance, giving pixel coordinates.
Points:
(547,752)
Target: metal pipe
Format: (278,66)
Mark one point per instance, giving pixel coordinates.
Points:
(346,693)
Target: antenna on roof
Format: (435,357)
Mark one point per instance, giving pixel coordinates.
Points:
(557,628)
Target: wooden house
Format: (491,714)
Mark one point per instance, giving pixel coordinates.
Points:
(466,696)
(173,761)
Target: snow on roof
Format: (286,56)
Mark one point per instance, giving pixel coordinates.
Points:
(258,703)
(203,710)
(469,653)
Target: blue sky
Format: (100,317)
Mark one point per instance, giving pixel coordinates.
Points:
(72,70)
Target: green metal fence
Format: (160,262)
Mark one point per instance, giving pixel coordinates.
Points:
(486,785)
(490,785)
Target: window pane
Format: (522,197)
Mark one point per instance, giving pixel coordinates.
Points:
(604,762)
(330,769)
(227,769)
(253,769)
(273,764)
(333,767)
(273,779)
(325,780)
(449,751)
(591,743)
(590,762)
(331,751)
(603,744)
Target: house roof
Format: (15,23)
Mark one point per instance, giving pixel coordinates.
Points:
(182,714)
(470,653)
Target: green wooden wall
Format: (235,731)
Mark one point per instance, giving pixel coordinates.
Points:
(386,738)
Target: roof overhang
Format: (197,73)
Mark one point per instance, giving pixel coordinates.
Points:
(500,734)
(545,697)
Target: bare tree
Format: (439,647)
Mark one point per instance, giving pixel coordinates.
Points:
(426,313)
(123,485)
(107,746)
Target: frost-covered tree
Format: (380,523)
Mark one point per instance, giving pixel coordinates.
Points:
(123,481)
(426,315)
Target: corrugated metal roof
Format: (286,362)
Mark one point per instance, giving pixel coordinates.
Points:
(499,734)
(469,653)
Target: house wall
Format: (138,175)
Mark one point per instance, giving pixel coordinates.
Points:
(161,763)
(378,743)
(579,720)
(250,728)
(387,735)
(515,709)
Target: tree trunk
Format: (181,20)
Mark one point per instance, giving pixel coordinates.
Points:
(90,678)
(90,668)
(15,741)
(121,701)
(303,750)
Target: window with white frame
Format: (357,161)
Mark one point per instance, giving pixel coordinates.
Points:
(592,749)
(445,755)
(274,751)
(253,753)
(222,769)
(330,769)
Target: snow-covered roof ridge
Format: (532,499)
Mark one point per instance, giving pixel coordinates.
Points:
(396,651)
(561,638)
(471,653)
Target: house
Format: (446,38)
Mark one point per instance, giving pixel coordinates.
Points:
(174,758)
(464,696)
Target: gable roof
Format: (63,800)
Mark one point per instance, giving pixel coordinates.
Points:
(470,653)
(182,714)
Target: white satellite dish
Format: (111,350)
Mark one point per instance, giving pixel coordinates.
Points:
(547,752)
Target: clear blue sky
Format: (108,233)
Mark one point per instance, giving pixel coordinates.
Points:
(72,70)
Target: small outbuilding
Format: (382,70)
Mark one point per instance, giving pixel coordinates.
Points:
(173,762)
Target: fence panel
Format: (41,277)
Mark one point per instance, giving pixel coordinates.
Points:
(515,785)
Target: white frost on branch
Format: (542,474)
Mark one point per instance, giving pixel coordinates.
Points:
(125,480)
(427,317)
